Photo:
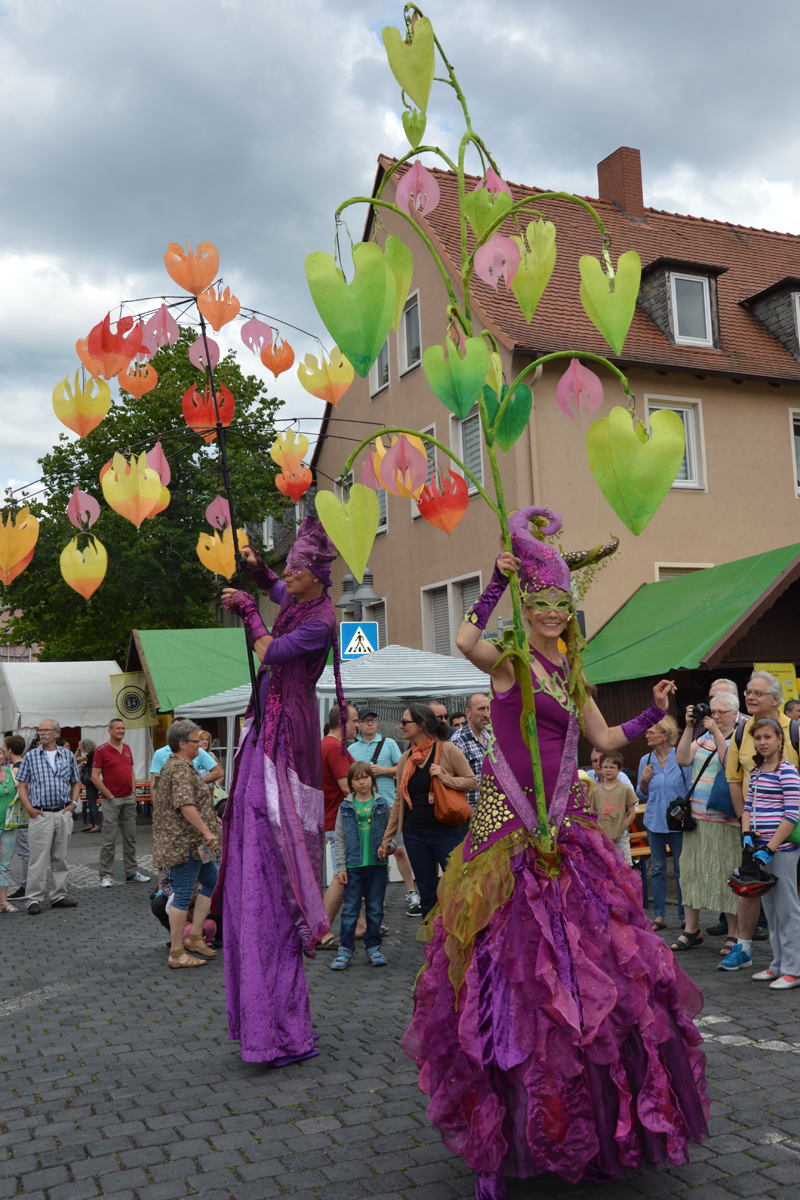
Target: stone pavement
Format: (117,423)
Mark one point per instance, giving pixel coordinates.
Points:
(116,1077)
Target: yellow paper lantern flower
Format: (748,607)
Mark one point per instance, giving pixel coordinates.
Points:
(85,570)
(328,380)
(216,553)
(405,473)
(18,537)
(288,450)
(160,505)
(81,411)
(131,488)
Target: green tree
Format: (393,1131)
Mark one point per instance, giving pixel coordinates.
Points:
(154,579)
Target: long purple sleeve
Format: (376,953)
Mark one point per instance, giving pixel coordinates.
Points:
(311,638)
(263,576)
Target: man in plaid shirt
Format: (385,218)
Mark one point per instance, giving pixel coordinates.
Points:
(49,786)
(471,738)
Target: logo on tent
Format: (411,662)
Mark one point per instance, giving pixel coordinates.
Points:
(358,637)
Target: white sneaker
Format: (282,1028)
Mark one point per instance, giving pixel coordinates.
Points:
(412,905)
(784,984)
(106,881)
(138,877)
(766,974)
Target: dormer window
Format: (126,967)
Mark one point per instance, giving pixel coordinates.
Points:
(691,309)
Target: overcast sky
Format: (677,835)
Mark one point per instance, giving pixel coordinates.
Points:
(245,122)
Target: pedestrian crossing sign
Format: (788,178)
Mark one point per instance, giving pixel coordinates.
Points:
(357,638)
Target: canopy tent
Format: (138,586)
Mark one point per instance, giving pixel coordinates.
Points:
(182,665)
(76,694)
(230,704)
(690,621)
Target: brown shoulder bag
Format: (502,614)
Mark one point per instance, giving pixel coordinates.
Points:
(449,806)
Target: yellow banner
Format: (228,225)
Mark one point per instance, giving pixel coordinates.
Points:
(132,700)
(785,674)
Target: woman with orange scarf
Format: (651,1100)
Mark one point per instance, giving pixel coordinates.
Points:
(428,840)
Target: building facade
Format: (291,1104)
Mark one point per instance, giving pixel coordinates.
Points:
(714,337)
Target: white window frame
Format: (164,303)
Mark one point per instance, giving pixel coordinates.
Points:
(696,457)
(403,365)
(457,447)
(375,387)
(431,429)
(794,418)
(689,341)
(382,528)
(688,567)
(456,616)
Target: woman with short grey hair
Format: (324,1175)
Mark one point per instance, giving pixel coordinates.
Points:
(185,836)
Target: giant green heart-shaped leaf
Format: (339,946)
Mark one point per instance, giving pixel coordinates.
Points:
(635,476)
(515,417)
(414,124)
(482,209)
(457,381)
(538,258)
(610,303)
(412,65)
(400,262)
(357,315)
(351,525)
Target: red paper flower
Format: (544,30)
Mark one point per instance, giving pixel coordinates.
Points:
(446,508)
(200,414)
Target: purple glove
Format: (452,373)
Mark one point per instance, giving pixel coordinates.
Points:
(263,577)
(483,607)
(651,716)
(243,604)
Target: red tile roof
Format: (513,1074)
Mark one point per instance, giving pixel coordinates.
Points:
(752,260)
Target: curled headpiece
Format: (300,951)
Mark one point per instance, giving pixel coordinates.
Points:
(541,565)
(312,549)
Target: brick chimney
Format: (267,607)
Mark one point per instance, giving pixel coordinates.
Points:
(619,179)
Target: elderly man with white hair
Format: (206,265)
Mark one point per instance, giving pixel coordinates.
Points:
(49,786)
(763,698)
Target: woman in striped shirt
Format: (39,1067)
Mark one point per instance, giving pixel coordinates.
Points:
(770,814)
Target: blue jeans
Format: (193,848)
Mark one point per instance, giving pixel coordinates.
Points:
(429,849)
(186,874)
(658,859)
(368,883)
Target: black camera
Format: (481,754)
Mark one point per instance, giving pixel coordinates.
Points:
(701,712)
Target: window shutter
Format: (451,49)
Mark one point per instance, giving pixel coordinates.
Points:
(430,451)
(471,445)
(381,509)
(470,591)
(378,613)
(441,620)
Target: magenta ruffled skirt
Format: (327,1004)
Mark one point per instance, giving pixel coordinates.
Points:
(552,1028)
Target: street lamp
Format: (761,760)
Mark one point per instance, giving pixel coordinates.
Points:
(345,601)
(351,601)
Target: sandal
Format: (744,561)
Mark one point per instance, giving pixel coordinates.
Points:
(384,930)
(730,942)
(8,908)
(658,923)
(687,941)
(185,960)
(331,944)
(376,958)
(202,949)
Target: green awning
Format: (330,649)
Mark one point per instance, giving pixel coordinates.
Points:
(188,664)
(674,625)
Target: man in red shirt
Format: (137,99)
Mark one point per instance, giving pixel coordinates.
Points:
(335,766)
(114,778)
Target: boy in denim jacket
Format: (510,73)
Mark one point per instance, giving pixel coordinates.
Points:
(360,826)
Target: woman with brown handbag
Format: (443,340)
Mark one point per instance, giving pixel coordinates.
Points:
(430,808)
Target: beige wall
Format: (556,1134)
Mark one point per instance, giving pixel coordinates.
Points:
(747,502)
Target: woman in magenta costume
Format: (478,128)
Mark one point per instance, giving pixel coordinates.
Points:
(270,882)
(552,1027)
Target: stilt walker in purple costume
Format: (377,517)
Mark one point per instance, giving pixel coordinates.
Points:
(270,882)
(553,1029)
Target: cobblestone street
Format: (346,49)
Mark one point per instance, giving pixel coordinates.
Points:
(117,1078)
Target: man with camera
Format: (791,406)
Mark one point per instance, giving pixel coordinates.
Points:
(763,697)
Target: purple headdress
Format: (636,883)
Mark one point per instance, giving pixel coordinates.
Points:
(541,565)
(312,549)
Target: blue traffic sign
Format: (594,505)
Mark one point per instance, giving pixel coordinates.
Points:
(357,638)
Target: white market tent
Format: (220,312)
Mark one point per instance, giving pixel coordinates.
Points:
(76,694)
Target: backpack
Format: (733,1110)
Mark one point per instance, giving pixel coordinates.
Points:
(794,735)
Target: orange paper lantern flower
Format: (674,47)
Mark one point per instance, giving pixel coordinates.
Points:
(85,570)
(114,350)
(81,411)
(216,553)
(131,488)
(93,365)
(18,537)
(138,379)
(294,483)
(161,504)
(446,508)
(277,358)
(196,269)
(200,414)
(288,450)
(218,308)
(329,380)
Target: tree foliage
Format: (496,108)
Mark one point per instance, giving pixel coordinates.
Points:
(154,578)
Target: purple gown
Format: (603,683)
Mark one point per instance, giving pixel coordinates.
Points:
(273,842)
(552,1028)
